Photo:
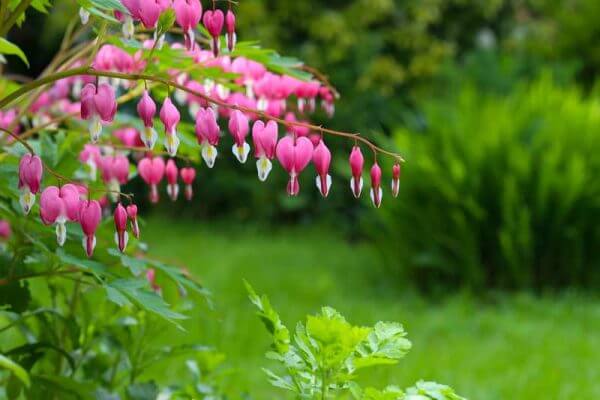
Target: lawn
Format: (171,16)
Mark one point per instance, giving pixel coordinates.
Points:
(516,347)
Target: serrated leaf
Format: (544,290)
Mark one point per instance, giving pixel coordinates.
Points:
(385,344)
(9,48)
(135,265)
(271,320)
(134,290)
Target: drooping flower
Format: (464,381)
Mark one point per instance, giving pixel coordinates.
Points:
(121,236)
(169,115)
(230,27)
(264,138)
(115,173)
(149,12)
(396,170)
(188,175)
(327,101)
(207,132)
(132,212)
(146,109)
(213,21)
(357,162)
(98,105)
(187,15)
(376,191)
(89,216)
(58,206)
(322,161)
(307,93)
(30,178)
(129,137)
(239,128)
(294,156)
(152,171)
(5,230)
(172,173)
(90,155)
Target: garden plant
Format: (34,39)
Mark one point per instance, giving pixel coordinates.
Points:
(141,89)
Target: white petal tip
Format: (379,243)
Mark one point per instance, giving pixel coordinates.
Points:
(241,152)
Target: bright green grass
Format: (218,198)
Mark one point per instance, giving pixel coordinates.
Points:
(518,348)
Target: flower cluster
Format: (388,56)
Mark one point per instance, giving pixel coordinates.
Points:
(264,112)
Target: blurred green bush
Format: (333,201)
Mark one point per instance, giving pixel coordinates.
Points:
(500,191)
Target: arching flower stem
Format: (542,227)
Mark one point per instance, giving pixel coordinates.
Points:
(92,72)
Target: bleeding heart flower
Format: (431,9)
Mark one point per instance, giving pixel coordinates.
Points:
(98,105)
(115,172)
(357,162)
(132,212)
(207,132)
(376,192)
(58,206)
(188,175)
(121,237)
(294,156)
(239,128)
(169,115)
(89,216)
(129,137)
(146,109)
(396,169)
(5,231)
(172,173)
(30,178)
(187,15)
(230,27)
(149,12)
(213,21)
(322,160)
(328,101)
(307,93)
(152,171)
(264,138)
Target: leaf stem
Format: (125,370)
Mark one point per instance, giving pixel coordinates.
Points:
(14,16)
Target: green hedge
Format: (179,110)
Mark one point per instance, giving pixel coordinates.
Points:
(498,192)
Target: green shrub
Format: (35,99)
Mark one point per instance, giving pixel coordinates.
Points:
(498,191)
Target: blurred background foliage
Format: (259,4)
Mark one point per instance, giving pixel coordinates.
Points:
(494,103)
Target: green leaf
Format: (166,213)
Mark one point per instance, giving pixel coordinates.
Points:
(165,21)
(9,48)
(271,320)
(16,369)
(433,391)
(181,279)
(135,265)
(41,5)
(109,5)
(95,267)
(386,344)
(62,384)
(134,290)
(40,347)
(142,391)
